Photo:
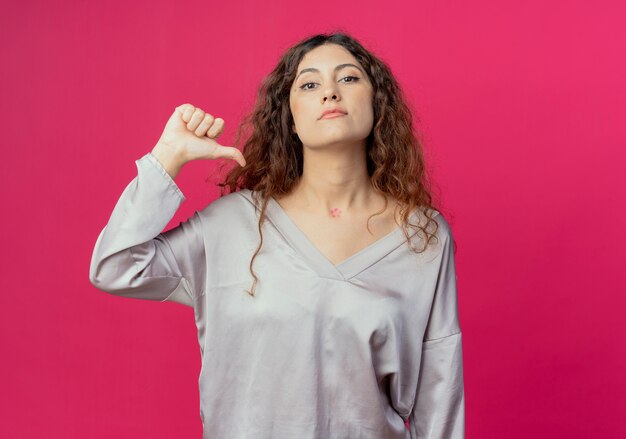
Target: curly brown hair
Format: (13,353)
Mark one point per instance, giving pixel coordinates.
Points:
(274,156)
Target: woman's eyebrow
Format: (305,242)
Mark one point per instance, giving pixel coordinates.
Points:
(337,68)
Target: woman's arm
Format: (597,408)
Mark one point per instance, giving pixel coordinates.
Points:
(133,258)
(439,408)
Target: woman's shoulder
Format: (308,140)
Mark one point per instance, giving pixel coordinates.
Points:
(444,228)
(234,204)
(430,218)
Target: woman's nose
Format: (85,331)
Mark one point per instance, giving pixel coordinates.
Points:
(331,94)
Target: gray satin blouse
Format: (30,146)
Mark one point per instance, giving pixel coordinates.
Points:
(322,351)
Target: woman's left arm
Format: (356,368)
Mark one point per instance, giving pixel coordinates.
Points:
(439,408)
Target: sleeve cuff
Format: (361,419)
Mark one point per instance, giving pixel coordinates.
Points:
(152,159)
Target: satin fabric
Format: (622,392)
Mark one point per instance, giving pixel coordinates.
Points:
(353,350)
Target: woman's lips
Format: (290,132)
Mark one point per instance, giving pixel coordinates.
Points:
(332,115)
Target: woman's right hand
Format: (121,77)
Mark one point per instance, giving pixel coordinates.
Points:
(189,135)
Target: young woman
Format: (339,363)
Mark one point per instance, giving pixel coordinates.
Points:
(323,284)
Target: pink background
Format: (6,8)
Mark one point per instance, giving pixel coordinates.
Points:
(522,107)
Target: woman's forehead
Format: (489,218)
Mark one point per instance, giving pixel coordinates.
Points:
(326,55)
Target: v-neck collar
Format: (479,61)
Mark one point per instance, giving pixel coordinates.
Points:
(346,269)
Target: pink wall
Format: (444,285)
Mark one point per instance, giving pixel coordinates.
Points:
(522,109)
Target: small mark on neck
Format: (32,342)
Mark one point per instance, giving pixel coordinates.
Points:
(335,212)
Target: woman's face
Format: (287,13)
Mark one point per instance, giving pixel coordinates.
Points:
(330,77)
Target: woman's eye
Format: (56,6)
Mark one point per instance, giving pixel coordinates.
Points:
(353,79)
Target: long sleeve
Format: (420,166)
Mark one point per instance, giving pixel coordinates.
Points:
(439,408)
(133,258)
